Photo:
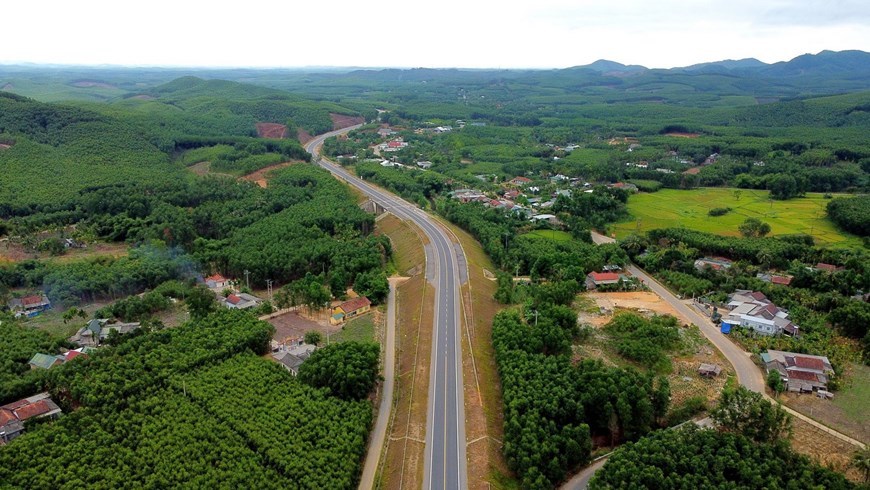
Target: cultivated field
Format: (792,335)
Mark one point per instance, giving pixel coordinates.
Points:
(672,208)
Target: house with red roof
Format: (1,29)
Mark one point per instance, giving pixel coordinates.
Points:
(801,372)
(520,181)
(823,267)
(217,281)
(13,415)
(30,305)
(241,301)
(350,309)
(596,279)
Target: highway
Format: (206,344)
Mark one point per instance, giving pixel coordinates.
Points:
(445,459)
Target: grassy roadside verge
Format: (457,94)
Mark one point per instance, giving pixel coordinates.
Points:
(404,452)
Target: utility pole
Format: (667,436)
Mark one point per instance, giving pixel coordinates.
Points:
(247,278)
(269,287)
(536,318)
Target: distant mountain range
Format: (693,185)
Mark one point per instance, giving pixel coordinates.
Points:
(824,63)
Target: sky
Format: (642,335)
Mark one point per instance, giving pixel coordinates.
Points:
(432,33)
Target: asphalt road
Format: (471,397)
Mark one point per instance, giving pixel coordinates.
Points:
(379,434)
(445,460)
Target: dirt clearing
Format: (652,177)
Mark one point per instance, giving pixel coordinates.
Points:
(272,130)
(683,135)
(341,121)
(261,177)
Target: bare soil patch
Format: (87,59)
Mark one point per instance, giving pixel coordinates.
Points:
(693,171)
(272,130)
(260,177)
(641,301)
(13,251)
(91,83)
(341,121)
(829,414)
(303,136)
(294,324)
(4,146)
(683,135)
(824,448)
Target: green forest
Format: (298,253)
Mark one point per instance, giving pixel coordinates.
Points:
(195,405)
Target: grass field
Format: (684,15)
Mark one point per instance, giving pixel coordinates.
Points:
(360,329)
(556,235)
(673,208)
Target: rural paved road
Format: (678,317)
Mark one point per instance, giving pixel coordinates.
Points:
(376,441)
(445,461)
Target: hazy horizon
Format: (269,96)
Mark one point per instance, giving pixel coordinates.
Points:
(545,34)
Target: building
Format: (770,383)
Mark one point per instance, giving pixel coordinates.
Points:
(709,370)
(98,330)
(520,181)
(596,279)
(31,305)
(781,280)
(45,361)
(294,357)
(800,372)
(823,267)
(350,309)
(217,281)
(241,301)
(13,415)
(752,309)
(715,263)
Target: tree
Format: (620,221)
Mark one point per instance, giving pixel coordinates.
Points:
(754,228)
(200,302)
(373,285)
(774,381)
(746,412)
(861,462)
(348,369)
(313,337)
(782,186)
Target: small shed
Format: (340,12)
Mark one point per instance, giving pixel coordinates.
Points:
(725,327)
(709,370)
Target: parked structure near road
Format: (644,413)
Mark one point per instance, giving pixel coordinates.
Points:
(800,372)
(596,279)
(709,370)
(752,309)
(715,263)
(13,415)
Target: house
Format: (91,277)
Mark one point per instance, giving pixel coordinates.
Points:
(70,243)
(520,181)
(800,372)
(549,218)
(217,281)
(294,357)
(425,165)
(13,415)
(595,279)
(752,309)
(385,132)
(823,267)
(709,370)
(781,280)
(715,263)
(97,331)
(241,301)
(624,185)
(45,361)
(467,195)
(29,306)
(350,309)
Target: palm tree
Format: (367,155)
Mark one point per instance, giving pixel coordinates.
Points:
(861,462)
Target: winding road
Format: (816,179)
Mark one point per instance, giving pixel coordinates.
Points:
(445,460)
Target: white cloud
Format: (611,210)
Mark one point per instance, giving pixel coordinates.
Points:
(460,33)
